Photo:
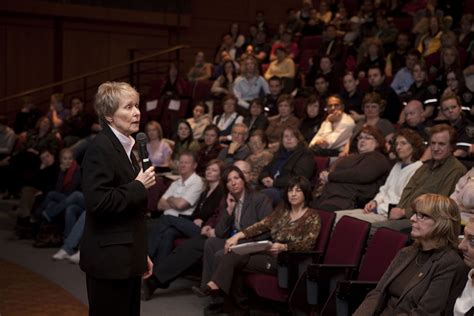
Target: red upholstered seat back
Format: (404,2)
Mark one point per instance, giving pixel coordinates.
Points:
(383,247)
(347,241)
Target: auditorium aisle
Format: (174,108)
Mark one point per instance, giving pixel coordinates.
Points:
(177,300)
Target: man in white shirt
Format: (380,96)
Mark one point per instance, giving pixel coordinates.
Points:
(465,303)
(181,197)
(335,131)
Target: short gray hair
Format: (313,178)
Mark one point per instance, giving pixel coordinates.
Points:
(108,97)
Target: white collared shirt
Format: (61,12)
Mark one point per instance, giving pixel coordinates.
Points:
(127,141)
(466,301)
(189,190)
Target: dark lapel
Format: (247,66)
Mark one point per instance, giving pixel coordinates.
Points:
(124,160)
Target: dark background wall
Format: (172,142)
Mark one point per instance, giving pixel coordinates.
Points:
(42,42)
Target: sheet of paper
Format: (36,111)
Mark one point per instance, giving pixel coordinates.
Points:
(151,105)
(174,105)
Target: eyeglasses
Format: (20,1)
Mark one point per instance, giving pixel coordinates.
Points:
(421,216)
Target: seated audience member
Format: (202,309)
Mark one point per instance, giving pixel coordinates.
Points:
(159,150)
(465,302)
(463,195)
(373,106)
(430,41)
(403,79)
(456,84)
(275,86)
(224,83)
(68,181)
(286,41)
(284,119)
(426,277)
(396,60)
(77,124)
(261,47)
(353,180)
(254,208)
(409,148)
(313,117)
(438,175)
(201,70)
(7,142)
(184,141)
(225,121)
(377,84)
(27,117)
(414,119)
(260,156)
(384,29)
(227,45)
(181,197)
(331,45)
(256,120)
(199,121)
(321,86)
(325,67)
(75,217)
(249,85)
(293,158)
(371,54)
(466,33)
(237,149)
(25,163)
(169,227)
(336,130)
(238,37)
(210,148)
(421,90)
(294,227)
(352,97)
(283,67)
(451,108)
(243,208)
(41,181)
(57,112)
(174,85)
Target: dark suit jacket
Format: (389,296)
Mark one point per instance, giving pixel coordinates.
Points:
(114,244)
(431,292)
(300,163)
(256,207)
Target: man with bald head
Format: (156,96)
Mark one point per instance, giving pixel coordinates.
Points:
(414,118)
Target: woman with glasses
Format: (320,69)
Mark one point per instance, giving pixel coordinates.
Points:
(426,277)
(354,180)
(409,148)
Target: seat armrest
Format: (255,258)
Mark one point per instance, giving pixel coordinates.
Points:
(294,257)
(327,271)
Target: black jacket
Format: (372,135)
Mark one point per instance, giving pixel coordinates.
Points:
(114,243)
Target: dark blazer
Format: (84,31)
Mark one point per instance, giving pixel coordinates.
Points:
(433,291)
(114,243)
(300,163)
(256,207)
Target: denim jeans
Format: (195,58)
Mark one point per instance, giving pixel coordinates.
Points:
(71,243)
(71,216)
(75,198)
(52,199)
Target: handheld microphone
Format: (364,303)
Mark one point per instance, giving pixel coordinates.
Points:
(141,140)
